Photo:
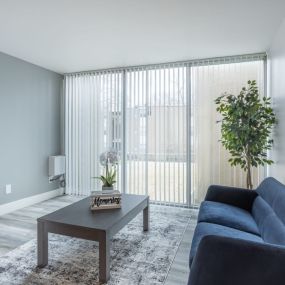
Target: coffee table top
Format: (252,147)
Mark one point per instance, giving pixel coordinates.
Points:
(79,213)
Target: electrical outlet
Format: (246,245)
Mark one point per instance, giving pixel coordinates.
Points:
(8,188)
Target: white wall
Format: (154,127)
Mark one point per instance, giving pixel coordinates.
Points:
(276,89)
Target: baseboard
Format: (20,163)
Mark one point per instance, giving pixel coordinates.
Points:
(22,203)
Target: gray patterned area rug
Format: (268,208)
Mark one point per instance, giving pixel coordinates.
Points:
(137,257)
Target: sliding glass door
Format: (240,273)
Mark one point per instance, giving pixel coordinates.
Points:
(161,119)
(156,133)
(93,108)
(210,159)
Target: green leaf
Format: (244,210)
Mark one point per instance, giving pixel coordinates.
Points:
(247,121)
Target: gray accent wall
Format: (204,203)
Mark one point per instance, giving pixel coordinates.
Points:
(276,88)
(29,127)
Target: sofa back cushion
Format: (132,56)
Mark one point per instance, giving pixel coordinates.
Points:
(273,192)
(271,228)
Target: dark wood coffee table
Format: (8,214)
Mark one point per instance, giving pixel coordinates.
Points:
(77,220)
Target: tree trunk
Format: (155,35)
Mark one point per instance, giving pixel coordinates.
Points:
(248,175)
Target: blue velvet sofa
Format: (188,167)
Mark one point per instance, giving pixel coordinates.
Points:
(240,237)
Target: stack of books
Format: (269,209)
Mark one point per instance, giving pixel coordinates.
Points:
(108,199)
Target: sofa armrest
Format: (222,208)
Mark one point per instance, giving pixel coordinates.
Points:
(223,261)
(239,197)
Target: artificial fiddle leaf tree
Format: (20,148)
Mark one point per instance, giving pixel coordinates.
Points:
(246,125)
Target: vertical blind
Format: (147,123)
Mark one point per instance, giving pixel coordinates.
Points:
(93,104)
(161,119)
(210,159)
(156,133)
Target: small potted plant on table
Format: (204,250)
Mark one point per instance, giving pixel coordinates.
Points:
(109,161)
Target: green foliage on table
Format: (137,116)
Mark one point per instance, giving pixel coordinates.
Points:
(246,124)
(109,178)
(109,160)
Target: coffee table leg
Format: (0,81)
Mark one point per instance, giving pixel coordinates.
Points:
(42,244)
(146,217)
(104,259)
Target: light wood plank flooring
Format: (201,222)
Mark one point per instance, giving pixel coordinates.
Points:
(19,227)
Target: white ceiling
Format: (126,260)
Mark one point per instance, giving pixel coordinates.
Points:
(75,35)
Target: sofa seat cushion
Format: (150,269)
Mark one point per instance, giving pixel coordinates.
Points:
(206,229)
(227,215)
